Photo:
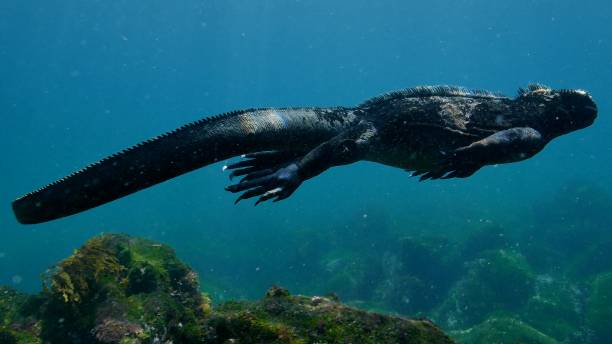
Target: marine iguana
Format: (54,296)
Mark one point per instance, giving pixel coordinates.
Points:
(432,131)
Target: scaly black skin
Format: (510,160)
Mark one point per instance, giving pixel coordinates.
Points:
(436,132)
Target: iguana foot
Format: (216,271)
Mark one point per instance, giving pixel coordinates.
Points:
(278,184)
(268,174)
(457,164)
(260,164)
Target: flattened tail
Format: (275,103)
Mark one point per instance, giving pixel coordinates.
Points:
(151,162)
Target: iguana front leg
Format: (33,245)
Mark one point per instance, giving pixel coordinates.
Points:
(267,180)
(510,145)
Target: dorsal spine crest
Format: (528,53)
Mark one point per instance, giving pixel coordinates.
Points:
(431,91)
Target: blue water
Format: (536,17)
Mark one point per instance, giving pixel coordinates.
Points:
(82,79)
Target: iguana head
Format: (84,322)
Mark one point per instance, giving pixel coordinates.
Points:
(559,111)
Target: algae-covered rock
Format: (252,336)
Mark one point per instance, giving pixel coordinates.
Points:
(351,276)
(484,238)
(596,259)
(430,259)
(10,304)
(407,294)
(416,278)
(555,308)
(502,331)
(282,318)
(116,288)
(499,281)
(567,224)
(17,322)
(599,308)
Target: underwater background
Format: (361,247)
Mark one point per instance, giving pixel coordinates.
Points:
(528,243)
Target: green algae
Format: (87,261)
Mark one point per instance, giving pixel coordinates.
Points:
(555,308)
(599,308)
(18,336)
(595,259)
(17,323)
(482,239)
(282,318)
(499,281)
(502,331)
(11,302)
(118,289)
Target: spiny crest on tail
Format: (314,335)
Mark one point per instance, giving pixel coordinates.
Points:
(116,156)
(431,91)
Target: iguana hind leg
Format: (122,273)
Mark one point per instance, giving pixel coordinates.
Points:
(272,175)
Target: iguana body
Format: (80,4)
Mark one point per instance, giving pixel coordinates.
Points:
(437,132)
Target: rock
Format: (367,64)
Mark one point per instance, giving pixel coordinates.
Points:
(599,308)
(407,294)
(299,319)
(351,276)
(596,259)
(484,238)
(118,289)
(567,224)
(556,308)
(10,304)
(431,259)
(415,279)
(502,331)
(17,324)
(499,280)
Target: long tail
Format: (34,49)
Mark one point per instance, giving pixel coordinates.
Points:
(169,155)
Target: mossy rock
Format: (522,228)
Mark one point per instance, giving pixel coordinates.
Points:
(431,259)
(349,275)
(17,317)
(568,223)
(596,259)
(599,308)
(19,336)
(11,302)
(502,331)
(117,288)
(282,318)
(407,295)
(555,308)
(484,238)
(500,281)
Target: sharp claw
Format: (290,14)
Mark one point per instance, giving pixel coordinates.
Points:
(242,171)
(450,175)
(425,177)
(261,154)
(269,194)
(251,193)
(263,181)
(257,174)
(283,195)
(239,164)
